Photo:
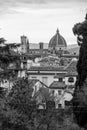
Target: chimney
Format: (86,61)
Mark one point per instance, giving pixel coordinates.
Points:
(41,45)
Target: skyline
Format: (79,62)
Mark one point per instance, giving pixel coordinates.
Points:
(39,19)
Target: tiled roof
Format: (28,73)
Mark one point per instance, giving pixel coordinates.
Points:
(57,85)
(49,58)
(46,68)
(70,55)
(71,68)
(61,75)
(36,53)
(44,92)
(38,49)
(50,61)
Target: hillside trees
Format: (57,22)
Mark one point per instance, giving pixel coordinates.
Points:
(6,58)
(7,54)
(19,108)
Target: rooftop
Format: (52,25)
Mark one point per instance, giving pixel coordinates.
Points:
(71,68)
(57,85)
(46,68)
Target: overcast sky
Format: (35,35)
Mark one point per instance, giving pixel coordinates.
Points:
(39,19)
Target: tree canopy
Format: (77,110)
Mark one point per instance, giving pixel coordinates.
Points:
(19,107)
(80,93)
(8,56)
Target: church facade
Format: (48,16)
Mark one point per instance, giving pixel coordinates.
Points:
(57,45)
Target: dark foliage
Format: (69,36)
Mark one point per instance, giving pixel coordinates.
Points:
(2,92)
(18,110)
(80,93)
(7,57)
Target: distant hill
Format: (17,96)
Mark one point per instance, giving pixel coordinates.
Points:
(74,48)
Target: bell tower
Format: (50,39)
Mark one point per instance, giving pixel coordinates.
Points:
(24,44)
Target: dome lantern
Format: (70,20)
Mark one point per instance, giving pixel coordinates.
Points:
(57,31)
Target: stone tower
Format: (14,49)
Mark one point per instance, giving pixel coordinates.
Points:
(24,44)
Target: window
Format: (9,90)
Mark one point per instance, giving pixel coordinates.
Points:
(59,105)
(33,77)
(24,58)
(70,79)
(24,65)
(60,79)
(40,107)
(67,103)
(5,81)
(59,92)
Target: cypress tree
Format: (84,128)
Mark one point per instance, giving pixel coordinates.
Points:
(80,93)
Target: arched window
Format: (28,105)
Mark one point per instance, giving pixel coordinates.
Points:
(70,79)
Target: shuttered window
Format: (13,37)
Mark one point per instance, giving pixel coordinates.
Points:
(70,79)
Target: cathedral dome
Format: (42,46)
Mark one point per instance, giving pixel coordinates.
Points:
(57,42)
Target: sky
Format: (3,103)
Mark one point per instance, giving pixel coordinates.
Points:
(39,19)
